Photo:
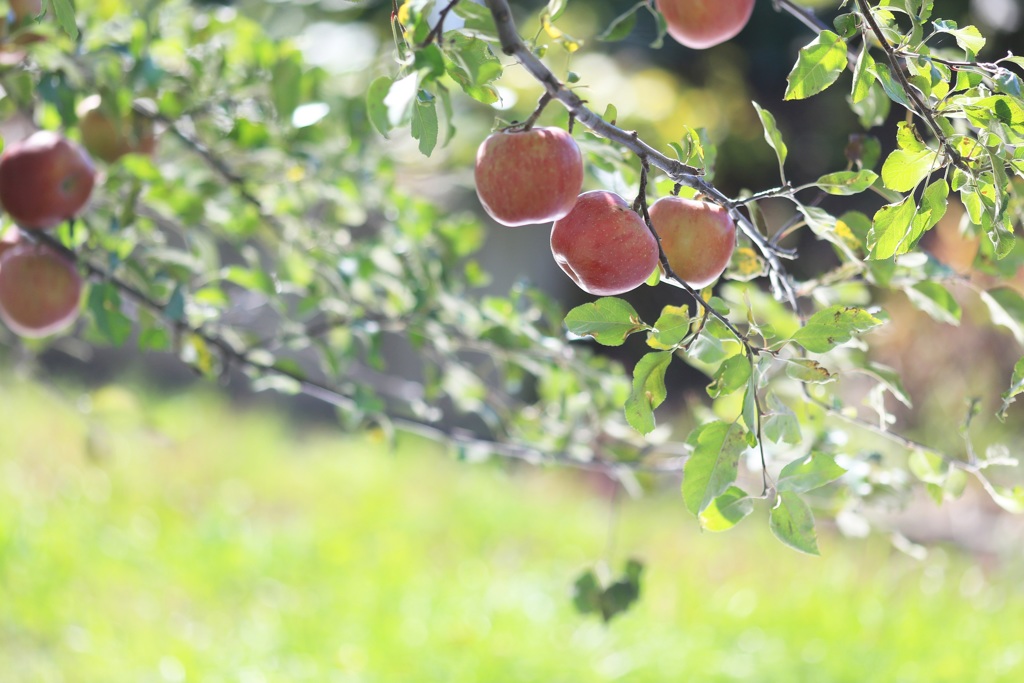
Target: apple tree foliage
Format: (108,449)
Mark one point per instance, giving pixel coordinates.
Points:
(273,235)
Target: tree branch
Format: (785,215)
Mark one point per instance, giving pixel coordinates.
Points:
(232,356)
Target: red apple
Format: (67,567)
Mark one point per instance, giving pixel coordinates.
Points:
(698,238)
(40,290)
(45,180)
(701,24)
(109,136)
(530,176)
(603,245)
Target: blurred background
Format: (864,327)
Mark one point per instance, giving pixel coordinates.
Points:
(154,529)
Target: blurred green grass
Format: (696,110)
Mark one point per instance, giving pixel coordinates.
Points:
(177,539)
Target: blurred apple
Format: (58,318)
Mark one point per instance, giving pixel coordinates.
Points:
(45,180)
(40,290)
(530,176)
(698,238)
(26,9)
(701,24)
(108,136)
(603,245)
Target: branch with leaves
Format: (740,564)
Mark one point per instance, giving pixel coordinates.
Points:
(275,234)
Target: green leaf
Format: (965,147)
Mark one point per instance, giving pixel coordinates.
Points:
(726,511)
(928,466)
(817,67)
(713,466)
(174,309)
(586,594)
(479,22)
(889,229)
(732,375)
(1016,388)
(609,320)
(808,371)
(793,523)
(648,390)
(250,278)
(472,64)
(969,38)
(906,168)
(931,209)
(425,123)
(622,25)
(376,110)
(1006,110)
(1006,308)
(873,110)
(846,24)
(556,8)
(936,301)
(401,98)
(781,424)
(890,379)
(286,86)
(670,329)
(1011,500)
(863,76)
(903,171)
(65,13)
(809,472)
(773,136)
(847,182)
(104,303)
(892,88)
(661,24)
(834,326)
(820,221)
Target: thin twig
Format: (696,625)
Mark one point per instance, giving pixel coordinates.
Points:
(438,30)
(234,357)
(922,108)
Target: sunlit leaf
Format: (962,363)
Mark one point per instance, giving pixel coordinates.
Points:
(834,326)
(773,136)
(1016,389)
(731,375)
(818,66)
(609,320)
(936,301)
(726,510)
(712,467)
(1006,307)
(808,473)
(793,523)
(648,390)
(847,182)
(672,326)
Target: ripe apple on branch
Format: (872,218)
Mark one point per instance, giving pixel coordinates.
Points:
(44,180)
